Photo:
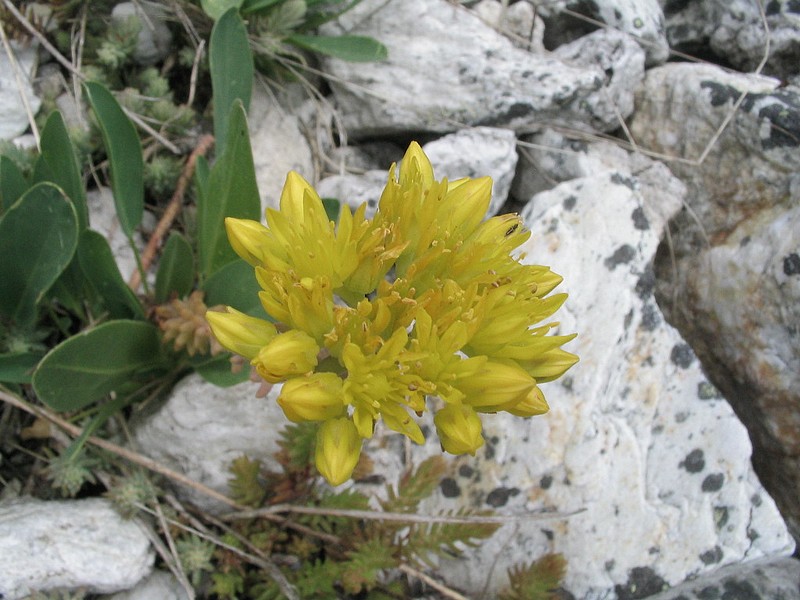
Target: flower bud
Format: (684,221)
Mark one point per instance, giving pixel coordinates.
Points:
(494,386)
(314,398)
(287,355)
(240,333)
(338,450)
(248,239)
(459,429)
(531,405)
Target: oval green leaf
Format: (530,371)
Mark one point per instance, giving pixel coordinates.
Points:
(12,183)
(235,285)
(38,236)
(124,156)
(217,370)
(92,364)
(231,192)
(58,154)
(100,269)
(216,8)
(231,66)
(17,367)
(352,48)
(175,269)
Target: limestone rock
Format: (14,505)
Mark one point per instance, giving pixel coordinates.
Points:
(202,428)
(752,165)
(642,20)
(473,152)
(278,146)
(735,254)
(637,438)
(446,70)
(621,60)
(518,21)
(13,116)
(160,585)
(760,580)
(551,157)
(734,31)
(69,544)
(103,218)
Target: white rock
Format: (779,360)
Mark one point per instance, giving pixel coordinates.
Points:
(202,429)
(278,146)
(13,116)
(473,152)
(69,544)
(642,20)
(760,580)
(735,31)
(621,59)
(155,39)
(518,21)
(734,254)
(477,152)
(160,585)
(679,110)
(550,157)
(103,218)
(446,70)
(636,438)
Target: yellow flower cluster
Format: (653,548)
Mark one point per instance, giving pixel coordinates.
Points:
(375,315)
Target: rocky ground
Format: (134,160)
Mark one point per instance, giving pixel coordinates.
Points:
(665,190)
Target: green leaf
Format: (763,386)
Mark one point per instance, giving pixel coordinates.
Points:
(38,236)
(217,370)
(352,48)
(58,154)
(100,269)
(175,270)
(235,285)
(87,366)
(12,183)
(253,6)
(124,156)
(17,367)
(232,192)
(537,581)
(231,66)
(246,486)
(216,8)
(332,208)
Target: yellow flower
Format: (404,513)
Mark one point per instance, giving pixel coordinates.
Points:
(531,405)
(495,386)
(426,298)
(459,429)
(240,333)
(286,355)
(317,397)
(338,449)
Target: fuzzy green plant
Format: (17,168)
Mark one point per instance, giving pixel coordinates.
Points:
(336,554)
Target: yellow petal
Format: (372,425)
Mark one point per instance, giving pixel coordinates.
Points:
(338,450)
(248,239)
(459,429)
(416,167)
(531,405)
(240,333)
(495,385)
(287,355)
(317,397)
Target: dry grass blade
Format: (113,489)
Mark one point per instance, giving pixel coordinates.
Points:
(19,77)
(172,210)
(394,516)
